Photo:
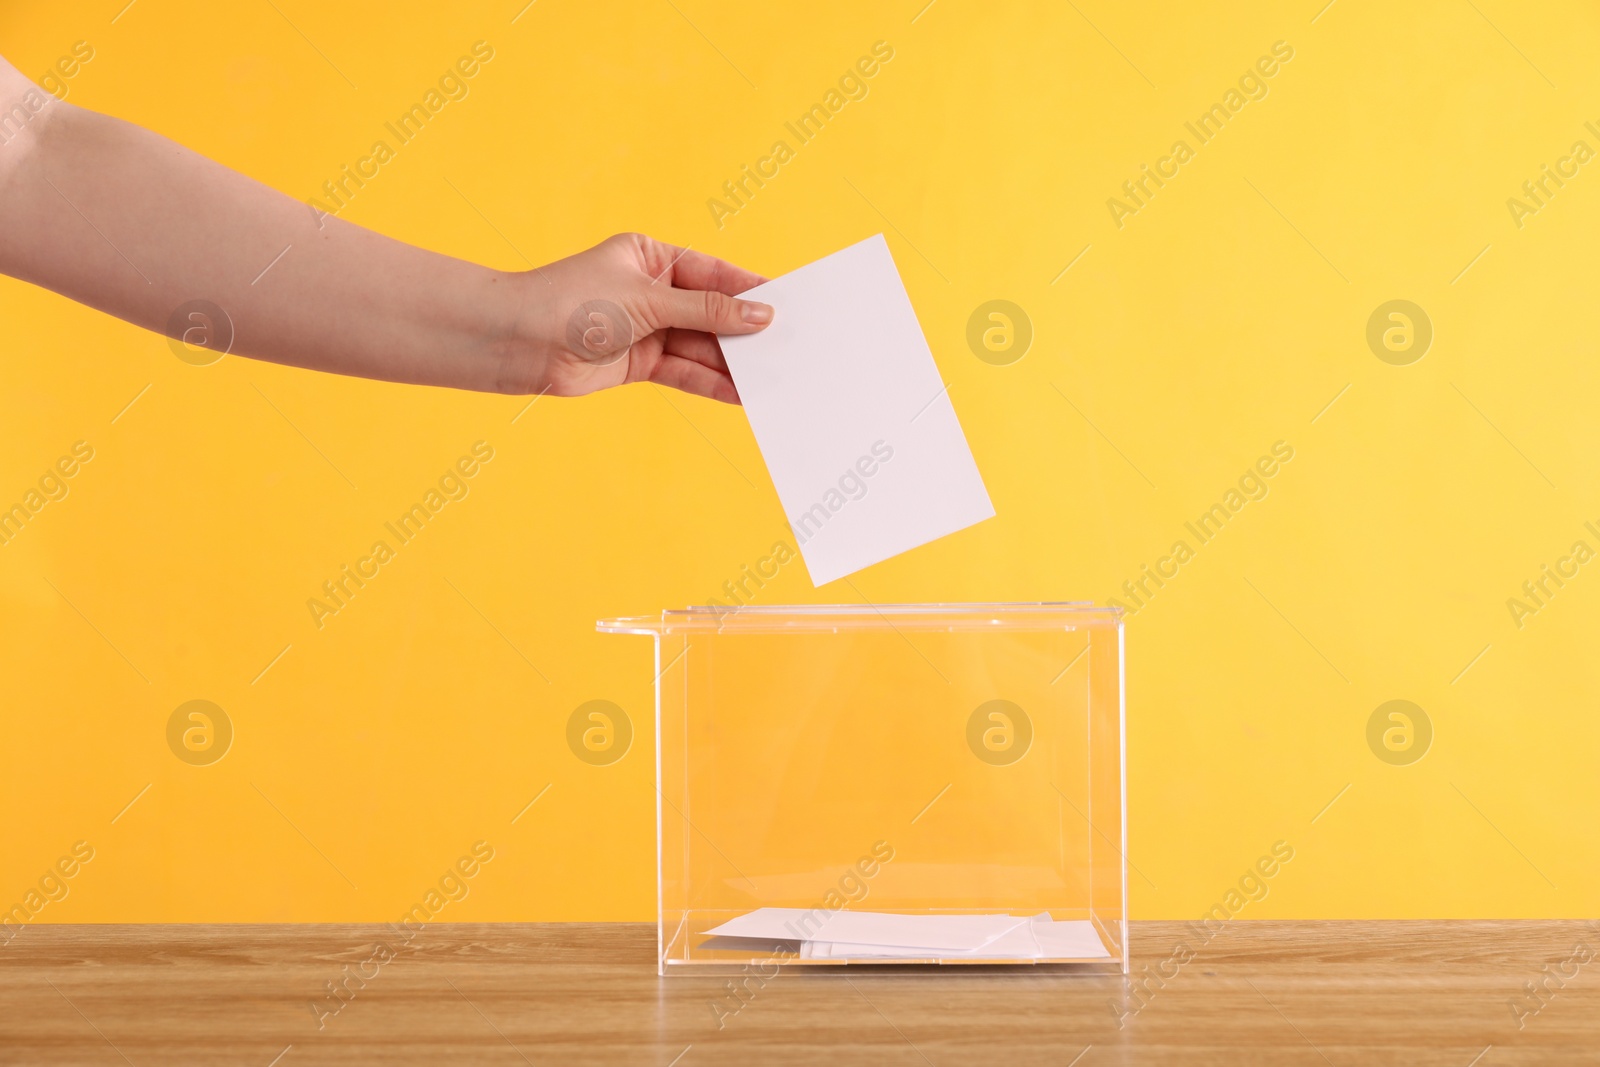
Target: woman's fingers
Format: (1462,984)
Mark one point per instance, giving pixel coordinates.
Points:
(695,270)
(696,378)
(700,347)
(706,310)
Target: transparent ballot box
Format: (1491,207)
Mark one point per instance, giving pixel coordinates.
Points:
(901,785)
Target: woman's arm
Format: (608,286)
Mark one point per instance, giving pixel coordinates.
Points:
(121,219)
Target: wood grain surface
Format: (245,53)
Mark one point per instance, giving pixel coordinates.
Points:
(1316,993)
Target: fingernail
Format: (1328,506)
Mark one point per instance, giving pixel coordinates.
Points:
(755,314)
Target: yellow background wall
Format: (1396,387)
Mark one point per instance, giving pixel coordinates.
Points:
(1230,312)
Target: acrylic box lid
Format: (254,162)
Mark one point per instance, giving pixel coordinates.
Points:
(815,618)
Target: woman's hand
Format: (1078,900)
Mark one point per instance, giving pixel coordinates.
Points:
(633,309)
(119,218)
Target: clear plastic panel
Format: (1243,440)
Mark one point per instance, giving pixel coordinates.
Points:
(936,759)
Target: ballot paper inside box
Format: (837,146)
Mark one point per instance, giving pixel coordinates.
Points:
(890,786)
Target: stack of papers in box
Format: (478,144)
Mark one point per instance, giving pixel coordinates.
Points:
(889,936)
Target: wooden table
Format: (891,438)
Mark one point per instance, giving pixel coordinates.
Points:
(1414,993)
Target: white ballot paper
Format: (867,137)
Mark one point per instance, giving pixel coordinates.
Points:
(941,933)
(853,420)
(1039,938)
(893,936)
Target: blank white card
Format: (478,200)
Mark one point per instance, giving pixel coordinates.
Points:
(852,418)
